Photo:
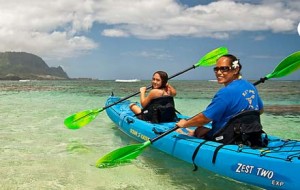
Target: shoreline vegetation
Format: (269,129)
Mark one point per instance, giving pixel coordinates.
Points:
(27,66)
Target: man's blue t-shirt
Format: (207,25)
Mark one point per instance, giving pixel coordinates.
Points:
(237,96)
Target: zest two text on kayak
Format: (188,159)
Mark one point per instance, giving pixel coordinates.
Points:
(139,135)
(248,169)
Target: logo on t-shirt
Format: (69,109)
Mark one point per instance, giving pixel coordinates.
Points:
(249,96)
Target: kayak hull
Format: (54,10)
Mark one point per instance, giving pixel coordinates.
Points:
(274,167)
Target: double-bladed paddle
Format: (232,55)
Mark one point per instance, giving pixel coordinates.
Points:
(127,153)
(82,118)
(288,65)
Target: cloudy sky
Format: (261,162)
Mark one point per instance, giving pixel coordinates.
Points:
(126,39)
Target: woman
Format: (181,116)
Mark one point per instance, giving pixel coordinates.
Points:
(235,97)
(161,93)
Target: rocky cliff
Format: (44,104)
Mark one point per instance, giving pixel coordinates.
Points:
(21,65)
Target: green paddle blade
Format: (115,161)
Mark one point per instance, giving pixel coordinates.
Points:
(127,153)
(121,155)
(211,58)
(82,118)
(288,65)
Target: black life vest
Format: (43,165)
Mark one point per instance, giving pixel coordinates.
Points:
(244,128)
(160,110)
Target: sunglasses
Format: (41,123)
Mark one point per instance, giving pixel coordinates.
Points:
(222,69)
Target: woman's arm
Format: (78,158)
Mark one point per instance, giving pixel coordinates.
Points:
(145,100)
(196,121)
(143,96)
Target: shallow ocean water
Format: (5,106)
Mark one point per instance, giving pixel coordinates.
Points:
(38,152)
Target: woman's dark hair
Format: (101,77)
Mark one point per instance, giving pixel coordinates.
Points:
(164,78)
(234,60)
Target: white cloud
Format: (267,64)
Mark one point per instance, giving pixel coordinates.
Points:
(114,33)
(61,28)
(219,19)
(49,29)
(299,28)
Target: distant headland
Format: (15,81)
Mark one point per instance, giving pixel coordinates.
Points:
(27,66)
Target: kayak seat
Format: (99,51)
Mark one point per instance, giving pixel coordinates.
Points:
(160,110)
(243,129)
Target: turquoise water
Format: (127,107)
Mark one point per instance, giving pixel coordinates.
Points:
(39,152)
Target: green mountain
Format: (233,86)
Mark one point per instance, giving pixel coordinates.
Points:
(21,65)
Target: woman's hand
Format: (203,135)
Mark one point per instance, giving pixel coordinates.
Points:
(181,123)
(143,90)
(170,90)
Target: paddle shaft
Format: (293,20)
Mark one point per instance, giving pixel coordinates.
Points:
(261,80)
(173,76)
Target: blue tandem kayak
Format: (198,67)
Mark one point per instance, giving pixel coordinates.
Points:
(274,167)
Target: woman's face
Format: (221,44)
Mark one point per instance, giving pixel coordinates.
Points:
(156,81)
(224,72)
